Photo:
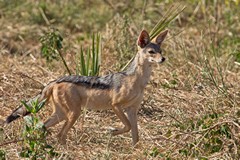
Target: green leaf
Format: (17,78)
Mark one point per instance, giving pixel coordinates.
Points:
(48,146)
(93,55)
(29,109)
(218,141)
(59,44)
(183,152)
(154,152)
(237,57)
(207,146)
(226,131)
(44,50)
(32,145)
(83,68)
(2,155)
(169,16)
(40,105)
(216,148)
(169,133)
(24,154)
(98,52)
(88,62)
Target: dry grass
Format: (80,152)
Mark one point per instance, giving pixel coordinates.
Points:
(191,106)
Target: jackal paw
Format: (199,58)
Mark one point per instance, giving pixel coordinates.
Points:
(62,139)
(113,131)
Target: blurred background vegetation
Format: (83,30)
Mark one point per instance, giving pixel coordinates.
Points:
(117,21)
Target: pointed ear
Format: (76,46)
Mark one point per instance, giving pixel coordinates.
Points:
(161,37)
(143,39)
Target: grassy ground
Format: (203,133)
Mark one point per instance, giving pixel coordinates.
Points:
(191,107)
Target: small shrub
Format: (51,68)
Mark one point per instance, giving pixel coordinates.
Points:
(51,41)
(34,133)
(51,47)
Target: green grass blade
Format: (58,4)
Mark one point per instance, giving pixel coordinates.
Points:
(83,68)
(97,55)
(77,70)
(29,109)
(40,105)
(170,15)
(88,62)
(161,21)
(93,54)
(99,52)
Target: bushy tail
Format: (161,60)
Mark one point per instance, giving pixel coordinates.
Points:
(22,111)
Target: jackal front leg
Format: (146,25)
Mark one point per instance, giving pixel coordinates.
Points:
(132,117)
(127,126)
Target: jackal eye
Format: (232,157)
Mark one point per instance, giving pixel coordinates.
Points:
(151,52)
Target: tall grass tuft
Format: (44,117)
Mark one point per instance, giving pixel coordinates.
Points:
(168,17)
(89,61)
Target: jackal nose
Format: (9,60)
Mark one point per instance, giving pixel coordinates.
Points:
(163,59)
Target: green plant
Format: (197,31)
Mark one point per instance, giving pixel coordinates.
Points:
(34,144)
(88,63)
(156,153)
(237,56)
(168,17)
(2,152)
(1,134)
(2,155)
(51,47)
(210,132)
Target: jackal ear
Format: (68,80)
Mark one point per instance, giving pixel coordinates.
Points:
(143,39)
(161,37)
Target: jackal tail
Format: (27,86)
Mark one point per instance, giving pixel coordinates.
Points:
(21,111)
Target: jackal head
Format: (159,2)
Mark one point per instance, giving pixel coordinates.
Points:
(151,50)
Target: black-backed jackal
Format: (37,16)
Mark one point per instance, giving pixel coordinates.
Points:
(122,91)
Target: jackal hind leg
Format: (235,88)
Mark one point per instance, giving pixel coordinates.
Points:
(72,116)
(56,117)
(120,114)
(132,117)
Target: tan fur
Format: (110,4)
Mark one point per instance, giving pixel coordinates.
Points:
(68,99)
